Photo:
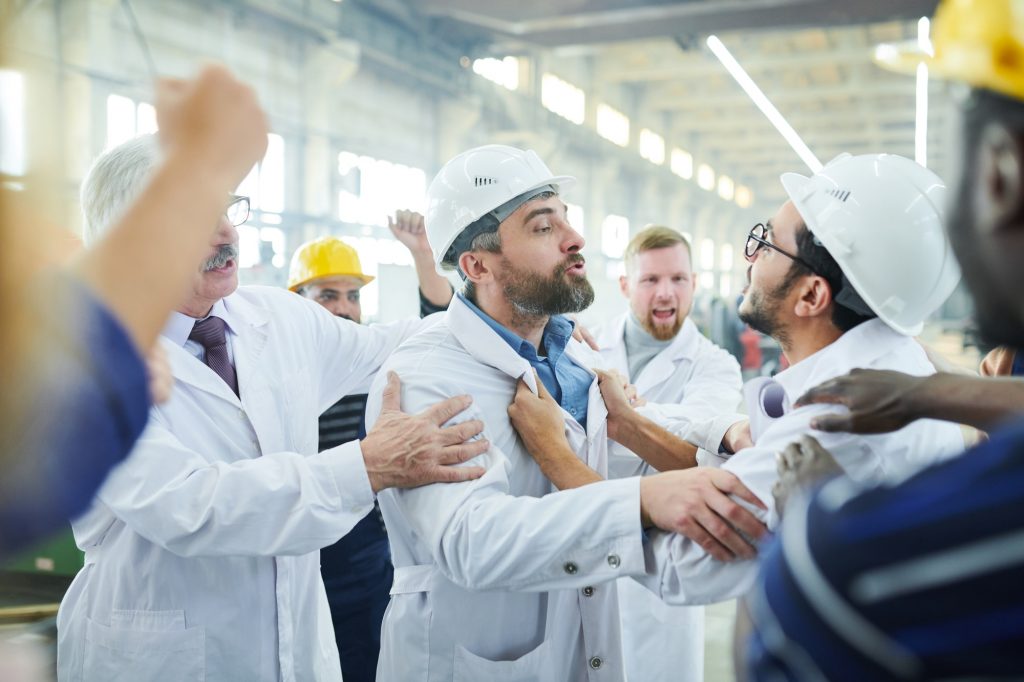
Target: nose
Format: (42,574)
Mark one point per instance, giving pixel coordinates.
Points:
(573,241)
(226,232)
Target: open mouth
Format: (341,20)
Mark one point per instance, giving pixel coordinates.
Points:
(229,266)
(663,314)
(577,268)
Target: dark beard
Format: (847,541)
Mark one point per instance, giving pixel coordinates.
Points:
(533,296)
(763,314)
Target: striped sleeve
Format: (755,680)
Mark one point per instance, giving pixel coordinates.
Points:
(924,580)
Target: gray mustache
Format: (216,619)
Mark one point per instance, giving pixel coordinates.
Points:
(225,253)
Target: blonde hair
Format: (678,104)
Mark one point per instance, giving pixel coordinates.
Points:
(654,237)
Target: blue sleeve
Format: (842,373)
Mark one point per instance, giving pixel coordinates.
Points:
(88,405)
(918,581)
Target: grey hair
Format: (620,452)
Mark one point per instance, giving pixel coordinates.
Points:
(114,181)
(487,241)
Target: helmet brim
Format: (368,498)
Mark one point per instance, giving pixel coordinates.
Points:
(365,279)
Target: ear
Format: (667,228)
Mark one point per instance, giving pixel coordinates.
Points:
(815,297)
(1001,166)
(475,267)
(624,285)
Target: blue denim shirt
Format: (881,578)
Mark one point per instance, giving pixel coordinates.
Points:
(567,382)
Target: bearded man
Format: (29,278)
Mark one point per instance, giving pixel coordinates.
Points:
(508,579)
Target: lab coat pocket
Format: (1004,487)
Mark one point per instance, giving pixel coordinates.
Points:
(530,667)
(143,646)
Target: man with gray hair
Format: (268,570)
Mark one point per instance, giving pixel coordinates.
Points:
(202,548)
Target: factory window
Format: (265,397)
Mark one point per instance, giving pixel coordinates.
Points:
(612,125)
(706,177)
(574,214)
(127,118)
(652,146)
(12,123)
(264,185)
(372,189)
(682,163)
(707,254)
(726,187)
(725,258)
(614,235)
(744,197)
(563,98)
(504,72)
(260,239)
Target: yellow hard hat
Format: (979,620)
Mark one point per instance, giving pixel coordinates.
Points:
(978,42)
(324,257)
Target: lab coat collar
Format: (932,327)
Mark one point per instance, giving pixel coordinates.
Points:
(683,347)
(246,323)
(485,346)
(858,347)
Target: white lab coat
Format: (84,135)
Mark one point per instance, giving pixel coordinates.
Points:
(202,548)
(682,573)
(501,579)
(689,381)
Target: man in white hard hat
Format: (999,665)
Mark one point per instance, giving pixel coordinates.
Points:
(357,570)
(841,276)
(685,378)
(505,579)
(923,579)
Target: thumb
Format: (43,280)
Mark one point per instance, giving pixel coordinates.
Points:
(391,399)
(542,390)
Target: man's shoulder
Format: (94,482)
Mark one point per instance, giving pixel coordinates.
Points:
(434,343)
(266,296)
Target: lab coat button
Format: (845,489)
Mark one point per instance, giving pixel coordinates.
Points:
(613,560)
(596,662)
(570,568)
(241,414)
(588,591)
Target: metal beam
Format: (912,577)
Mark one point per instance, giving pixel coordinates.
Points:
(556,23)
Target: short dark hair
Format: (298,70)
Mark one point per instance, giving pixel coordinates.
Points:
(825,266)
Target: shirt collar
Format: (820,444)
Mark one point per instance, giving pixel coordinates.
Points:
(180,325)
(556,334)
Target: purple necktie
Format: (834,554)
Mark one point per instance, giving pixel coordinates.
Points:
(209,334)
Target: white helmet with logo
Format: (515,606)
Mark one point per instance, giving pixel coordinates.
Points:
(880,217)
(485,180)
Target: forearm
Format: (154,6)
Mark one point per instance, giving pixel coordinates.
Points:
(655,445)
(140,269)
(435,288)
(981,402)
(563,468)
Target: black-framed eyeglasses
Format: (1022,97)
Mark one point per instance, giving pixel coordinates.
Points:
(758,238)
(238,210)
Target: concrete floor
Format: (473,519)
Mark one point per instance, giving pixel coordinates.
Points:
(718,624)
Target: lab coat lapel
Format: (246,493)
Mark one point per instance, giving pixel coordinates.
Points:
(663,366)
(254,382)
(191,371)
(611,345)
(484,344)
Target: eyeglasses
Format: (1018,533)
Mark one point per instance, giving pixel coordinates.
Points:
(238,210)
(758,238)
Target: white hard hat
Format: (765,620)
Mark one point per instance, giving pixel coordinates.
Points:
(880,217)
(476,183)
